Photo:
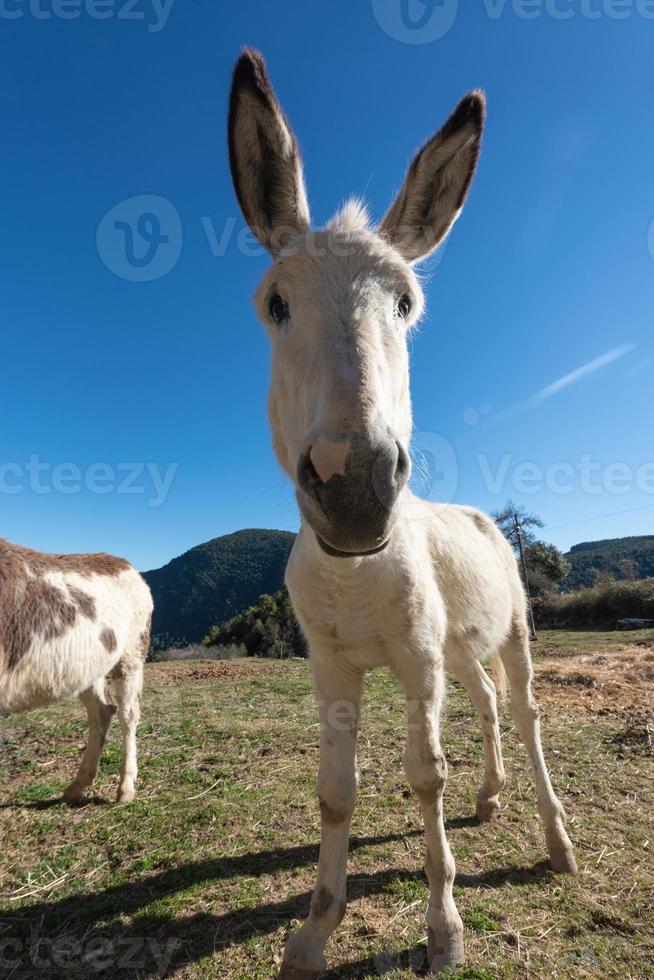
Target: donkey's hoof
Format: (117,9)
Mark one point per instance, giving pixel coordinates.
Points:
(487,810)
(73,793)
(289,972)
(301,962)
(125,794)
(444,950)
(563,861)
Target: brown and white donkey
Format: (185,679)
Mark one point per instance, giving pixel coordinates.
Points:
(68,624)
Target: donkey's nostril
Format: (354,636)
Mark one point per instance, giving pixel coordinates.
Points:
(403,467)
(308,472)
(329,459)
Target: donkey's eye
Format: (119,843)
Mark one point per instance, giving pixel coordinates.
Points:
(403,306)
(278,308)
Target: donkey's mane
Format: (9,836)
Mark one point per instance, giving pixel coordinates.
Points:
(352,216)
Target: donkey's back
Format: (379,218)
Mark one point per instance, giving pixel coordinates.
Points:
(67,624)
(476,574)
(65,620)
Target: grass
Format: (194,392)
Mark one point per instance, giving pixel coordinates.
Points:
(209,870)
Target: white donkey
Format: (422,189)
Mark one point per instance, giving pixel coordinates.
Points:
(377,576)
(67,624)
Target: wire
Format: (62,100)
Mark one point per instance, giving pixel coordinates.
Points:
(601,517)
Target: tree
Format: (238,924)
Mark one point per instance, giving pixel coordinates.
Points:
(546,565)
(505,520)
(267,629)
(628,569)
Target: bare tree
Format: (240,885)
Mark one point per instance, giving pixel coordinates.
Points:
(545,565)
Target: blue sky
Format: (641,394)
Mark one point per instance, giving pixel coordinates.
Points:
(533,369)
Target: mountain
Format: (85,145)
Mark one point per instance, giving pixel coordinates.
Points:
(619,558)
(217,581)
(213,582)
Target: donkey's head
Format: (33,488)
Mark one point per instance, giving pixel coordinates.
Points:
(338,304)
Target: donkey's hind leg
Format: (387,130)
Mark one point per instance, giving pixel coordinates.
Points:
(517,663)
(99,714)
(481,691)
(127,678)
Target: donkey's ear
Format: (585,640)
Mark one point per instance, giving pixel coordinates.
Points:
(437,183)
(264,157)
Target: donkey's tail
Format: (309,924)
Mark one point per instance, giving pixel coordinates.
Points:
(500,675)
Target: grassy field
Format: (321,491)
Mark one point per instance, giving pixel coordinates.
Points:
(210,869)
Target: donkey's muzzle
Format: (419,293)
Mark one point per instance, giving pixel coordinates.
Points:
(352,509)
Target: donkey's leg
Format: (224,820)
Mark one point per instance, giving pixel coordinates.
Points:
(481,691)
(99,715)
(128,683)
(517,663)
(338,689)
(426,770)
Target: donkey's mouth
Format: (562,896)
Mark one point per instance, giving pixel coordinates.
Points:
(335,553)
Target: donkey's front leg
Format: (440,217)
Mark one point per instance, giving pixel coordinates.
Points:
(426,770)
(338,689)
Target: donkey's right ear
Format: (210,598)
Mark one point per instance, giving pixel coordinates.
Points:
(264,157)
(437,183)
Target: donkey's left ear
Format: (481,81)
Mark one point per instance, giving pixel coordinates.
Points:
(437,183)
(264,157)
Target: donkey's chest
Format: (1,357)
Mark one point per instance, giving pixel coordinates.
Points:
(367,617)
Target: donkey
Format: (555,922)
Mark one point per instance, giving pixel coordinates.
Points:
(377,576)
(67,624)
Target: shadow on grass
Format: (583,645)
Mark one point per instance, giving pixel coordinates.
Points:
(57,801)
(134,948)
(413,959)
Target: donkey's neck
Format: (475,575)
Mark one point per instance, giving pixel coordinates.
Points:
(345,569)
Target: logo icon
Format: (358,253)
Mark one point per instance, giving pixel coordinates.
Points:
(415,21)
(140,238)
(435,467)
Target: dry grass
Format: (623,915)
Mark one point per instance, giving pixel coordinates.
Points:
(212,866)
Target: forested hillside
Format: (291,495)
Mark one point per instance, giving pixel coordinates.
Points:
(213,582)
(618,558)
